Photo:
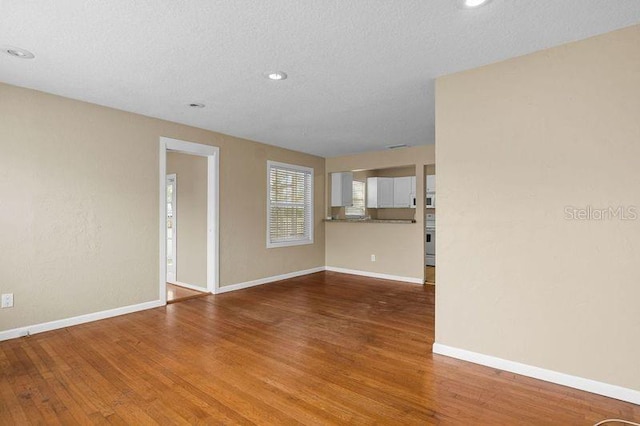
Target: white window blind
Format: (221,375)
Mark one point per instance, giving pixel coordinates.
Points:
(289,205)
(357,208)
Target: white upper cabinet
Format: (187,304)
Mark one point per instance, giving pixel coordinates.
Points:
(379,192)
(372,193)
(402,192)
(387,192)
(412,193)
(341,189)
(431,183)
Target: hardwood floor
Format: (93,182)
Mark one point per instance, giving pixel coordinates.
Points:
(430,274)
(175,293)
(325,348)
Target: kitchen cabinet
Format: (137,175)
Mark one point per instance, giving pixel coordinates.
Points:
(412,193)
(341,189)
(379,192)
(404,192)
(431,183)
(385,192)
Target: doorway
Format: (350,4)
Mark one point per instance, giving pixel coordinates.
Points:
(169,226)
(172,225)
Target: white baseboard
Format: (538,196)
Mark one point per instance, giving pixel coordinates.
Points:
(266,280)
(605,389)
(81,319)
(375,275)
(189,286)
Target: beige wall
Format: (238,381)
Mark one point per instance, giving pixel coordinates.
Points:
(517,142)
(399,248)
(396,171)
(430,169)
(79,207)
(191,215)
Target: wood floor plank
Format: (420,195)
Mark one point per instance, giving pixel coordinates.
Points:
(322,349)
(13,413)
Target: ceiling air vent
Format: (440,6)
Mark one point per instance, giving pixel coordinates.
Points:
(402,145)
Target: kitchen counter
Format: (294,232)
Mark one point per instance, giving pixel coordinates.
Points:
(395,221)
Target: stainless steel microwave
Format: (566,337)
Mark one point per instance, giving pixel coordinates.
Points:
(431,200)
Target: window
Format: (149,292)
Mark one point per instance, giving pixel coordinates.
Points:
(357,208)
(289,205)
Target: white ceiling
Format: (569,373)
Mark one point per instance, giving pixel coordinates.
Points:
(361,72)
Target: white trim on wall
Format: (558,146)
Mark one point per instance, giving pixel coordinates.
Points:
(247,284)
(67,322)
(308,204)
(213,221)
(376,275)
(81,319)
(174,240)
(605,389)
(213,209)
(163,222)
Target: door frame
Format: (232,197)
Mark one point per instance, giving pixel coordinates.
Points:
(174,241)
(212,153)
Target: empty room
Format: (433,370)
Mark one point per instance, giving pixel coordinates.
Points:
(226,212)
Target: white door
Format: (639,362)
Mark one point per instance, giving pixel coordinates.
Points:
(171,228)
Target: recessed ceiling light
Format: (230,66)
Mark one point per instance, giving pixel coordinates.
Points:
(17,52)
(196,105)
(276,76)
(474,3)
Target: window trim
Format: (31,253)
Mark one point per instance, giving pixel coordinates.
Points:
(309,170)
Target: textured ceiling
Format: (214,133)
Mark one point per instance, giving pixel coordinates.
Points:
(361,72)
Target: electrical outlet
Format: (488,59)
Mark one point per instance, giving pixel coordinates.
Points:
(373,257)
(7,300)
